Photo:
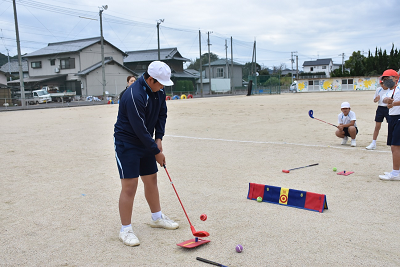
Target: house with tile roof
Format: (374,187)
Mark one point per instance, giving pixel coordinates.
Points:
(138,61)
(12,68)
(76,66)
(320,65)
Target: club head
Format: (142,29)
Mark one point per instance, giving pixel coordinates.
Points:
(285,171)
(198,233)
(201,234)
(311,113)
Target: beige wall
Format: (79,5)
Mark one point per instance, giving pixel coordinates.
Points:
(3,78)
(237,74)
(115,81)
(92,55)
(47,69)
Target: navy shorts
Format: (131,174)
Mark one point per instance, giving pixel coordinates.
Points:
(133,160)
(346,131)
(382,112)
(393,138)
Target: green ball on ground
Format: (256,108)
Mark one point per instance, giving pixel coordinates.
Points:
(334,169)
(259,199)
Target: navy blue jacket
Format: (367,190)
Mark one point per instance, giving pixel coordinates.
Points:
(140,113)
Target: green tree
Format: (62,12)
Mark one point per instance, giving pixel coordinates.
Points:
(356,64)
(204,60)
(246,70)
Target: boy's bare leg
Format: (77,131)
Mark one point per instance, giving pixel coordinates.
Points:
(128,192)
(151,192)
(396,157)
(352,132)
(339,133)
(376,131)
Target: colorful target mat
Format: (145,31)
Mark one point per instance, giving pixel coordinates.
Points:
(289,197)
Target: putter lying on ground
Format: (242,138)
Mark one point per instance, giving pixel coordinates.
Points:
(310,113)
(210,262)
(287,171)
(194,232)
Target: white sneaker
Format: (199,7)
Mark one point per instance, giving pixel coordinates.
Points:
(353,143)
(164,222)
(128,237)
(389,177)
(344,141)
(371,146)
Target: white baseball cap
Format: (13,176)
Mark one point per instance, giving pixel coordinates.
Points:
(345,105)
(161,72)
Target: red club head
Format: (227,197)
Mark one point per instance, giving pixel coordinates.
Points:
(285,171)
(201,234)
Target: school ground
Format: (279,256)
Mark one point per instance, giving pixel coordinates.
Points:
(60,186)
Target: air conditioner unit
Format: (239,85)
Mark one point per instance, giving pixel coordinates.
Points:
(56,70)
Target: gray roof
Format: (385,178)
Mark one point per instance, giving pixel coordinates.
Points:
(68,47)
(222,62)
(39,78)
(98,65)
(14,67)
(152,54)
(318,62)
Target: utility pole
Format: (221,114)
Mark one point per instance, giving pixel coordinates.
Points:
(292,60)
(201,68)
(209,59)
(21,74)
(158,36)
(297,67)
(342,62)
(226,60)
(9,64)
(103,71)
(231,65)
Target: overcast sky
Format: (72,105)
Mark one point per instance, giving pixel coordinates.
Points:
(312,28)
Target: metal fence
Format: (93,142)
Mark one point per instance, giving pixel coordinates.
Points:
(265,84)
(15,103)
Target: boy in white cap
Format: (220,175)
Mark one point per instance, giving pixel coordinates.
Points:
(382,112)
(142,114)
(347,124)
(390,79)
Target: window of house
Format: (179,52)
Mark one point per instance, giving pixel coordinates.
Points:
(316,82)
(52,62)
(344,81)
(311,68)
(220,72)
(324,67)
(36,64)
(310,82)
(67,63)
(350,81)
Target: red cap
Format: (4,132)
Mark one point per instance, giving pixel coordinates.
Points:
(390,72)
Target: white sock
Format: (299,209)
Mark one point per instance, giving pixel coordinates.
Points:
(125,226)
(353,139)
(395,172)
(374,142)
(156,215)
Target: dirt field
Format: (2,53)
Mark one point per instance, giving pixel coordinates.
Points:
(60,186)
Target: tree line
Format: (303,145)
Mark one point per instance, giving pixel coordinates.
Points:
(372,65)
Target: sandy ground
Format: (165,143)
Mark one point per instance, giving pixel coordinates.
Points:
(60,186)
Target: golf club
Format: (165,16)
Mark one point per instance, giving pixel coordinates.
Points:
(311,112)
(194,232)
(287,171)
(210,262)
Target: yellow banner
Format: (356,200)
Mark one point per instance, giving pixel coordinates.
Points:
(283,198)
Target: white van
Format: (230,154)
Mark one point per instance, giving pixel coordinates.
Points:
(41,96)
